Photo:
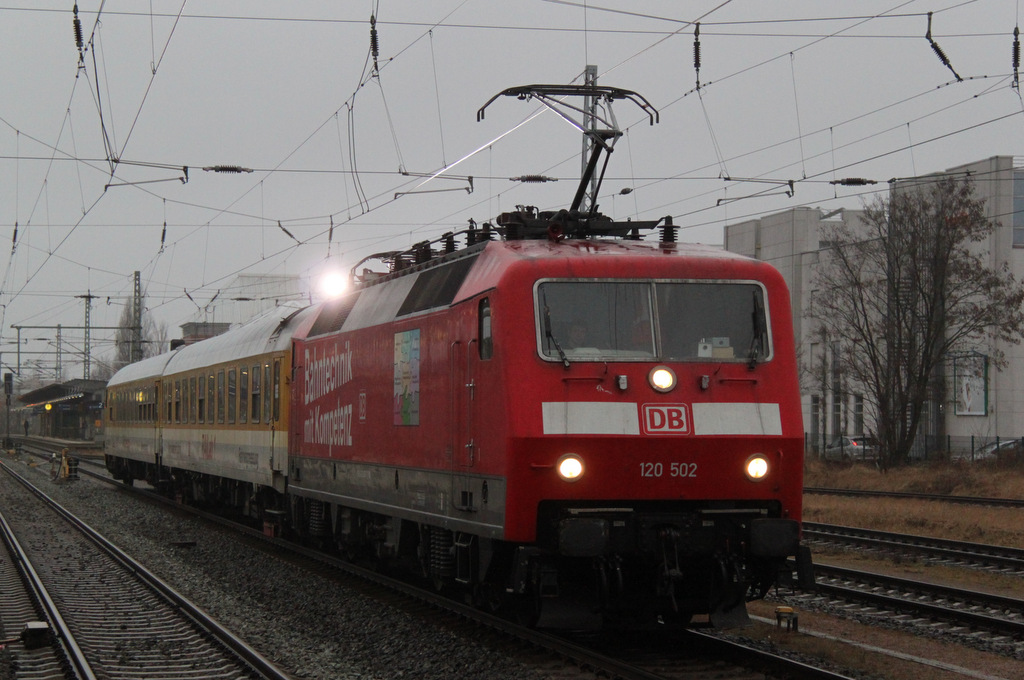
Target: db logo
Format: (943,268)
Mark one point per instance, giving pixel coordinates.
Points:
(666,419)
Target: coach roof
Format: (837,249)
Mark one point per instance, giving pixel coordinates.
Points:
(269,332)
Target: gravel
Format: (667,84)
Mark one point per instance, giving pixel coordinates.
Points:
(308,626)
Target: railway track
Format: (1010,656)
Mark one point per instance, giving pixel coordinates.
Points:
(926,602)
(916,602)
(940,498)
(23,620)
(108,616)
(943,551)
(695,656)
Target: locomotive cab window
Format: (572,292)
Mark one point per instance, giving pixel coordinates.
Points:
(646,320)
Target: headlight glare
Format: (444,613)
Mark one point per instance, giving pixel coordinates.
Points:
(662,378)
(570,467)
(756,467)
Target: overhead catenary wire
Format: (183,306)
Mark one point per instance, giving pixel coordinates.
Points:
(348,203)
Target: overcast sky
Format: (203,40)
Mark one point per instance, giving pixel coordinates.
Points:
(94,142)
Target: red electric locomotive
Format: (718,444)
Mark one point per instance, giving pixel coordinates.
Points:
(615,423)
(559,417)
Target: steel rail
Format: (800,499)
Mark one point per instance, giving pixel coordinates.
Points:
(941,498)
(955,613)
(63,637)
(257,662)
(987,554)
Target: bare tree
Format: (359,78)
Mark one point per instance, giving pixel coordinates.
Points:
(906,290)
(152,337)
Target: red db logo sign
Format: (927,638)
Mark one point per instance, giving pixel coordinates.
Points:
(666,419)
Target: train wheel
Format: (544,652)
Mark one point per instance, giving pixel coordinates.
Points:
(489,597)
(526,609)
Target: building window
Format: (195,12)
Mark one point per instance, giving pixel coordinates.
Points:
(815,420)
(858,414)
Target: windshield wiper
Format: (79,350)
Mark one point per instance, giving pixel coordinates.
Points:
(757,342)
(547,330)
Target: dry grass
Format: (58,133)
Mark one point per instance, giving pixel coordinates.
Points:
(979,479)
(997,526)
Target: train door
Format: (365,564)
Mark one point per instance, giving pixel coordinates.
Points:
(466,353)
(275,412)
(159,416)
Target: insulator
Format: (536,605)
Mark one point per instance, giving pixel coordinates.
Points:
(1016,48)
(853,181)
(696,47)
(668,231)
(449,242)
(374,44)
(940,53)
(536,179)
(226,168)
(422,252)
(281,227)
(78,28)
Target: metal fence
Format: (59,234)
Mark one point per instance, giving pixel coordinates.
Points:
(931,448)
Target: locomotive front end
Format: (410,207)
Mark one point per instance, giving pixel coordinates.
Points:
(666,462)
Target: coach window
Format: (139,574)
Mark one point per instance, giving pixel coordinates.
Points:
(192,399)
(277,390)
(169,401)
(202,398)
(231,395)
(210,399)
(185,401)
(220,396)
(486,348)
(177,401)
(182,405)
(267,391)
(256,394)
(243,394)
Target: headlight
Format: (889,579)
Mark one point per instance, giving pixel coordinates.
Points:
(570,467)
(756,467)
(662,378)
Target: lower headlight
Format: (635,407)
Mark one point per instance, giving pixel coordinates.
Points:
(570,467)
(756,467)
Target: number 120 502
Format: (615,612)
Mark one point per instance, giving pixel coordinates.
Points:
(670,470)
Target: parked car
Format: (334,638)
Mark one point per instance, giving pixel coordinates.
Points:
(858,448)
(1001,449)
